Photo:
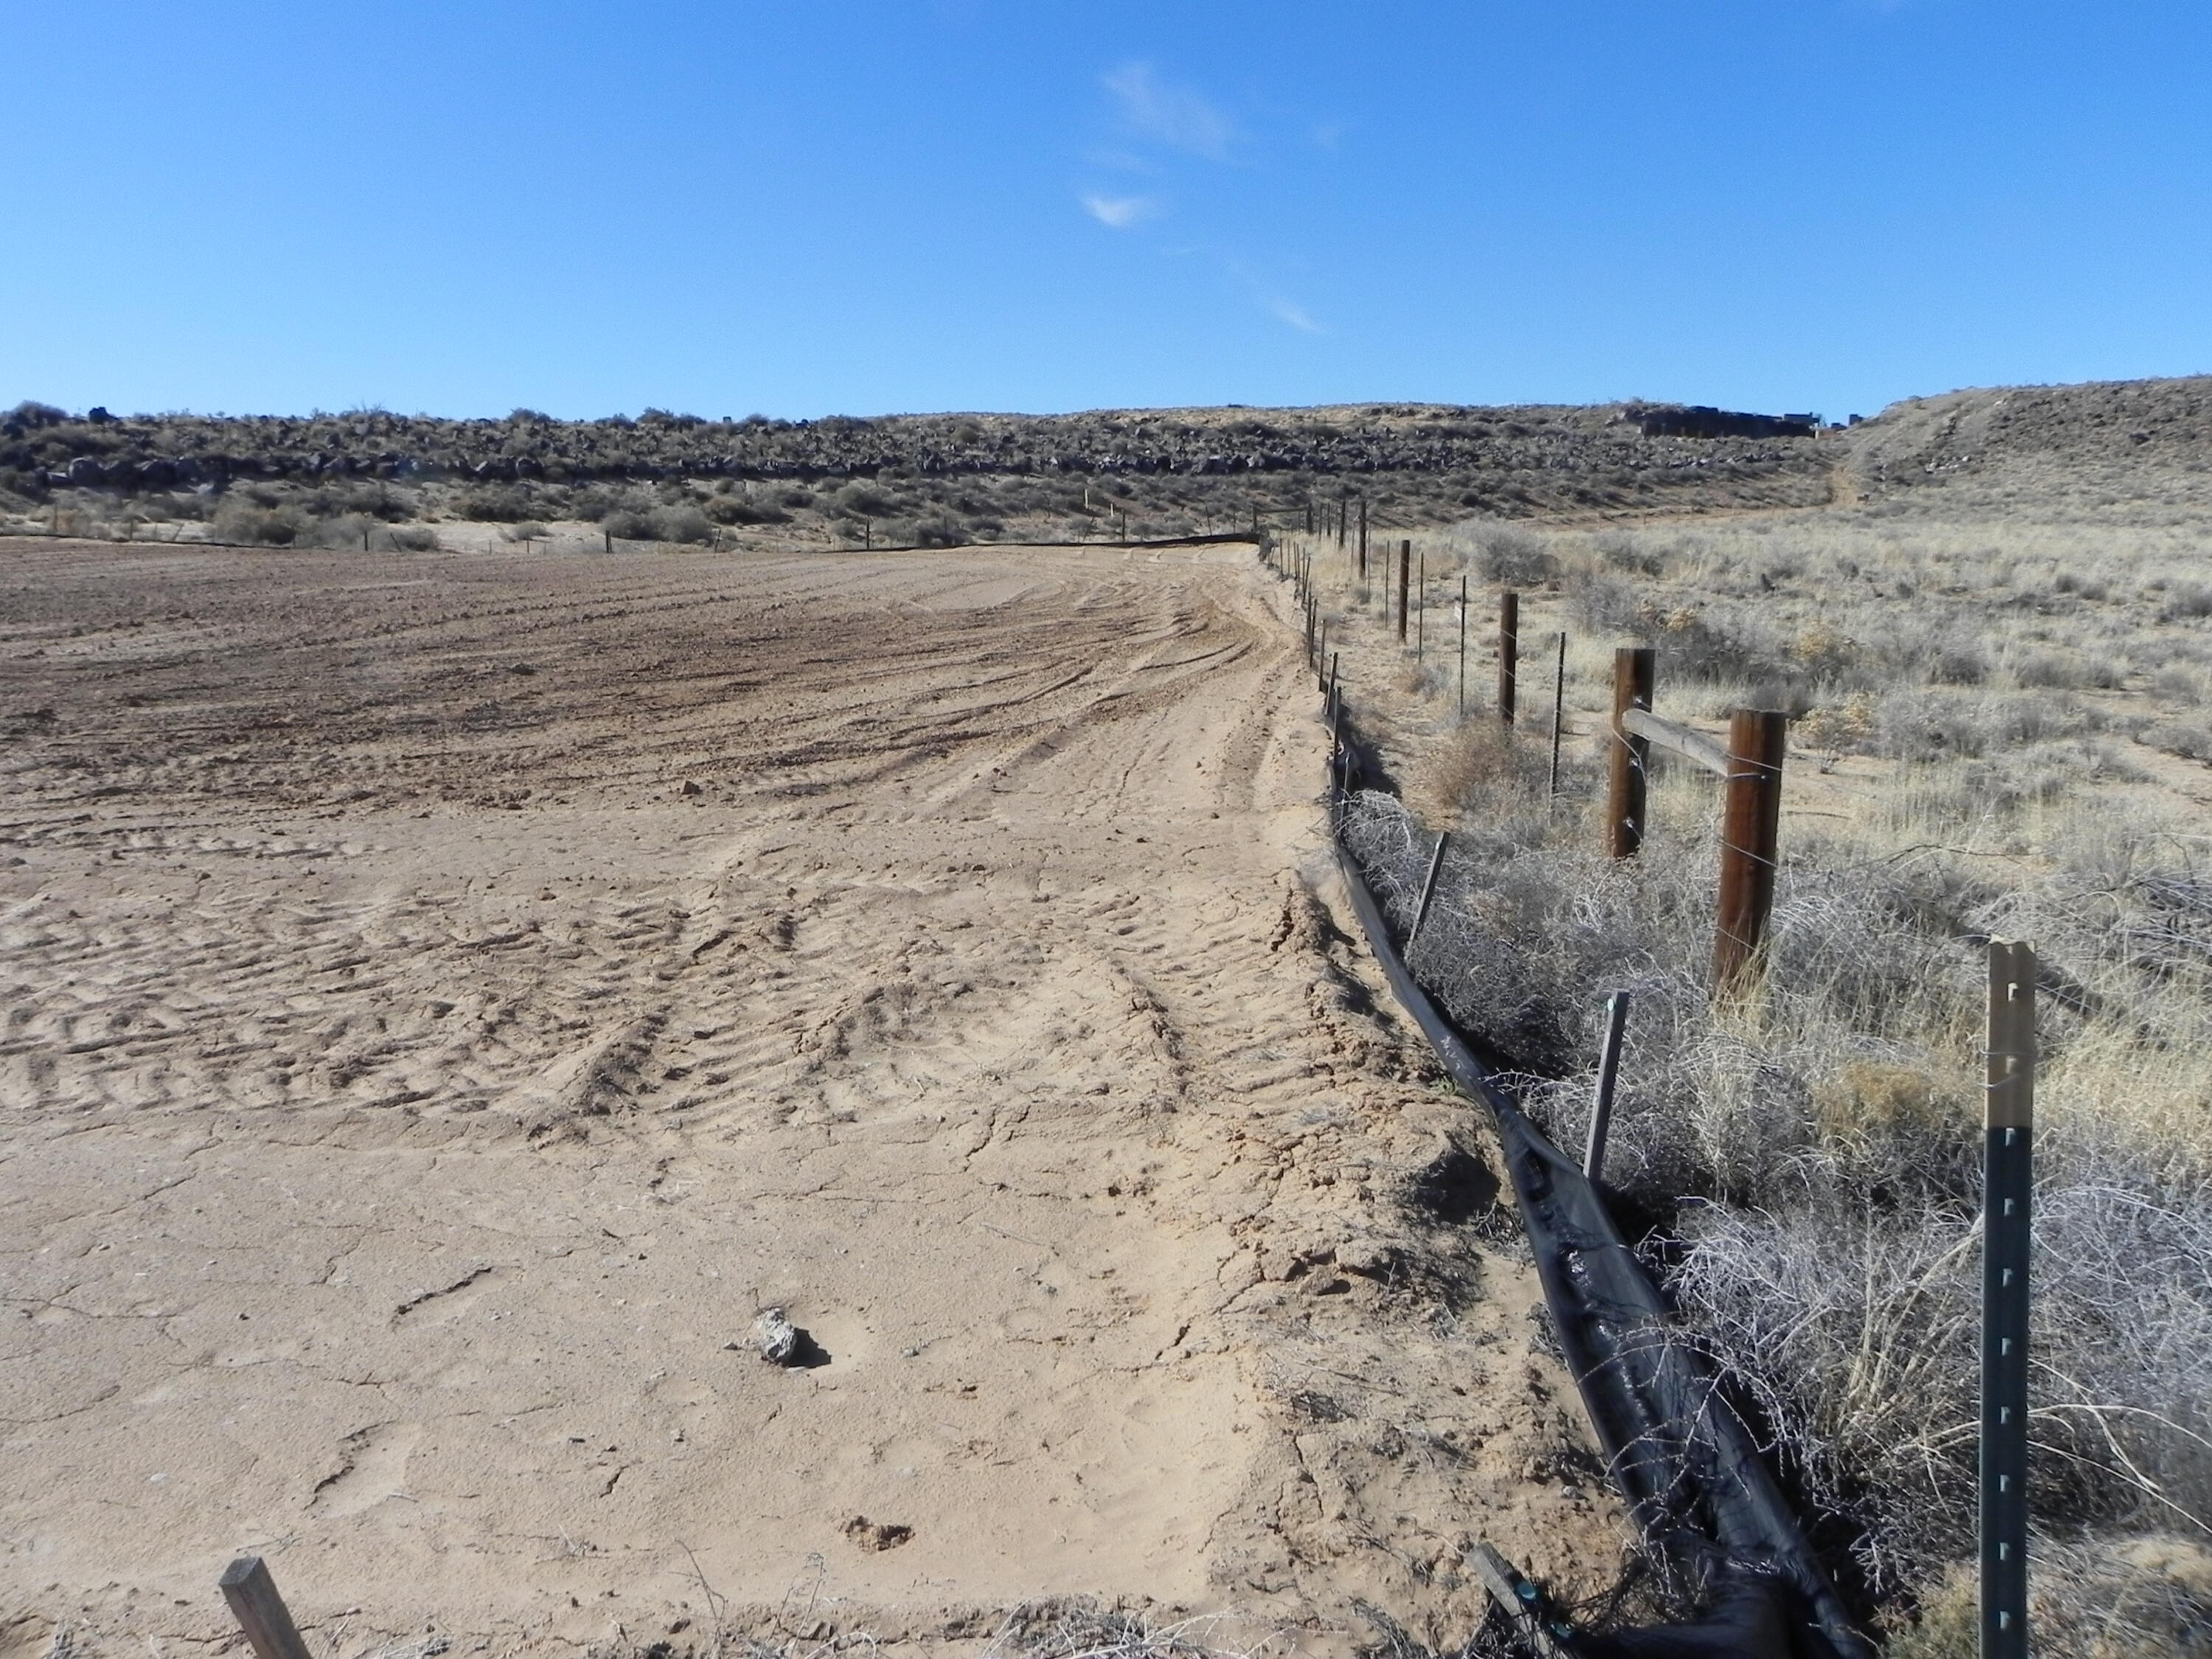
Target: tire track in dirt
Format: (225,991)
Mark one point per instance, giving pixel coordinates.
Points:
(936,945)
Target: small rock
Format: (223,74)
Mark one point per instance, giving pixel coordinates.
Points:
(877,1535)
(777,1336)
(691,787)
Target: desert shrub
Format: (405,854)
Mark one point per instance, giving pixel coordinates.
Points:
(2175,684)
(2191,739)
(1957,663)
(2099,1597)
(684,523)
(1849,728)
(526,531)
(345,529)
(373,499)
(742,509)
(494,504)
(413,538)
(1514,557)
(243,520)
(1712,648)
(2186,601)
(1823,650)
(2054,669)
(1631,554)
(627,524)
(1485,764)
(858,500)
(939,529)
(1929,723)
(1601,604)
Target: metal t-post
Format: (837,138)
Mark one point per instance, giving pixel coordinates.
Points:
(1608,1070)
(1421,608)
(1428,888)
(2008,1186)
(1559,711)
(1462,647)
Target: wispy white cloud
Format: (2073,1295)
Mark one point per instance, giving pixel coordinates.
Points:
(1172,115)
(1295,315)
(1120,212)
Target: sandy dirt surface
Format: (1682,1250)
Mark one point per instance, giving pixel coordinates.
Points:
(448,996)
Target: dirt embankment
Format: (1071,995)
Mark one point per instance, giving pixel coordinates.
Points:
(2092,445)
(448,997)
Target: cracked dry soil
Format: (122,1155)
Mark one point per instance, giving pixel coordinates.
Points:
(447,997)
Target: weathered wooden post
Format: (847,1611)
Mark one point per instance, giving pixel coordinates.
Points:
(1405,581)
(260,1611)
(1634,667)
(1608,1071)
(2007,1186)
(1558,710)
(1363,538)
(1751,826)
(1509,654)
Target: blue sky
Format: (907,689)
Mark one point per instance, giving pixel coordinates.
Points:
(865,207)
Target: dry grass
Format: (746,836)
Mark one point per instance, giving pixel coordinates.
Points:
(2000,731)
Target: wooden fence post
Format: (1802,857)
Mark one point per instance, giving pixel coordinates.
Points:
(260,1612)
(1751,823)
(1633,669)
(1405,581)
(1363,538)
(2007,1185)
(1509,653)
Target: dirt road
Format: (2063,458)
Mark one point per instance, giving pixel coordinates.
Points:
(448,996)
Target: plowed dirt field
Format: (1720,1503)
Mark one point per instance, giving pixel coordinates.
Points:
(447,997)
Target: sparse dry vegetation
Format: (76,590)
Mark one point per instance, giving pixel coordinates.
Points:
(1987,615)
(2000,732)
(903,480)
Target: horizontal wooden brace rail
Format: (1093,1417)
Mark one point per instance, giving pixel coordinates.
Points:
(1669,734)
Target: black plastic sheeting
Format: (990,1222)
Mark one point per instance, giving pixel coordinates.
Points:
(1682,1457)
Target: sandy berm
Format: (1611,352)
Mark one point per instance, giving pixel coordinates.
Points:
(449,997)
